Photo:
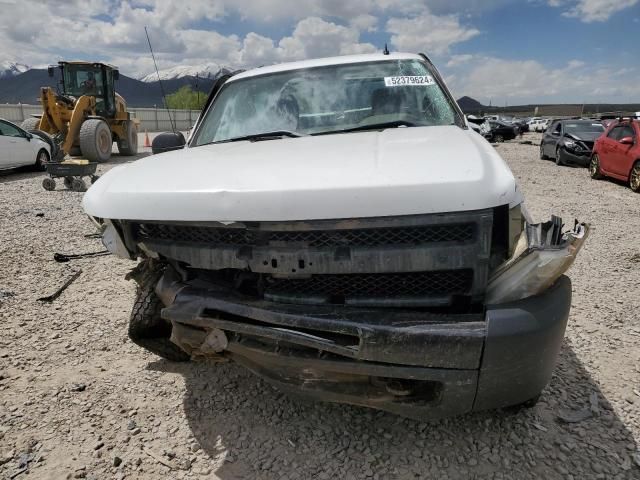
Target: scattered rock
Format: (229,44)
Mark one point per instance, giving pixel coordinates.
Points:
(573,416)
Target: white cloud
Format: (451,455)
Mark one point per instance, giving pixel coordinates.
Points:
(427,33)
(525,81)
(365,22)
(592,10)
(456,60)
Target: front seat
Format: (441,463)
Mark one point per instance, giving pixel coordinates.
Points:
(384,101)
(289,112)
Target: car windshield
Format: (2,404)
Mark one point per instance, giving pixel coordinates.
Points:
(328,99)
(584,127)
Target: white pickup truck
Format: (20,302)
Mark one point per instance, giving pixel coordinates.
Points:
(336,227)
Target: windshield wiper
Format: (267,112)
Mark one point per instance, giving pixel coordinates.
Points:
(257,137)
(372,126)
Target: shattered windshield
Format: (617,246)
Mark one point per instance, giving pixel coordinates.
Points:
(328,99)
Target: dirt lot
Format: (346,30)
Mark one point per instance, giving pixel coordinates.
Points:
(79,400)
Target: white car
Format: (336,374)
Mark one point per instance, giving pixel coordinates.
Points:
(336,227)
(19,148)
(541,125)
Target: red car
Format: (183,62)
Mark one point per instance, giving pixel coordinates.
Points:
(616,153)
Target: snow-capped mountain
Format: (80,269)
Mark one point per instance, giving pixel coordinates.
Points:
(9,69)
(207,70)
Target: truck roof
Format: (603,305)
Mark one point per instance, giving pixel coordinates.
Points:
(321,62)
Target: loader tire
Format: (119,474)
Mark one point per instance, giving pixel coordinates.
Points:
(129,146)
(96,140)
(31,123)
(146,328)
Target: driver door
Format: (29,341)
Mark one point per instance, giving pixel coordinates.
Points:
(620,152)
(550,139)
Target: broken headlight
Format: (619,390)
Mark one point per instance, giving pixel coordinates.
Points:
(112,240)
(541,255)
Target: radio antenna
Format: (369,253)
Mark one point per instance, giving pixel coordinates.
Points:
(164,97)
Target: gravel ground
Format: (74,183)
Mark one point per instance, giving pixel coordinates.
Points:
(79,400)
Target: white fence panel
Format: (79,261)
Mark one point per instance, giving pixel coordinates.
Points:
(151,119)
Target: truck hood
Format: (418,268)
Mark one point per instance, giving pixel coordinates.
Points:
(400,171)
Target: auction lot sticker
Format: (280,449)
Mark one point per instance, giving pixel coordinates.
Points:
(404,81)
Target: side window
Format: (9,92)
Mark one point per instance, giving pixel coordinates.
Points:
(614,132)
(9,130)
(625,131)
(556,128)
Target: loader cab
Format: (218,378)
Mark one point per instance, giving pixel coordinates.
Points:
(94,79)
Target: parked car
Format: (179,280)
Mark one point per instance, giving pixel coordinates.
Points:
(19,148)
(373,251)
(616,154)
(542,125)
(537,125)
(570,141)
(532,122)
(500,131)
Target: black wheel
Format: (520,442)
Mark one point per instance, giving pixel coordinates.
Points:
(41,160)
(594,167)
(78,185)
(68,182)
(498,138)
(558,159)
(146,327)
(30,123)
(95,140)
(49,184)
(542,155)
(129,146)
(634,177)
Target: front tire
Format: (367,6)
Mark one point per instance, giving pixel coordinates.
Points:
(542,155)
(129,146)
(41,160)
(96,141)
(146,327)
(634,177)
(498,138)
(558,159)
(594,167)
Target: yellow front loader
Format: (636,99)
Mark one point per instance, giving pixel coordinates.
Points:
(87,116)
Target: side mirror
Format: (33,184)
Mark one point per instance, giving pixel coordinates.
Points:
(50,70)
(116,74)
(626,140)
(555,134)
(167,141)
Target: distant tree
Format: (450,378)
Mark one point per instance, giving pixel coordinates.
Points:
(186,99)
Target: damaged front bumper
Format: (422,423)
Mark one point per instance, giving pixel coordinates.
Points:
(409,362)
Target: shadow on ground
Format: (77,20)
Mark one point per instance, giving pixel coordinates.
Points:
(256,431)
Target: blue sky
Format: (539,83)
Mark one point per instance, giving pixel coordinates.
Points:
(503,51)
